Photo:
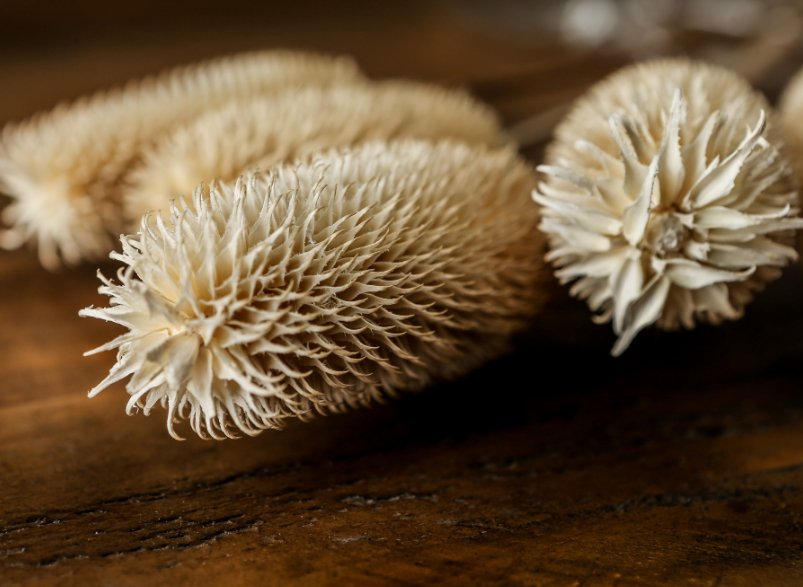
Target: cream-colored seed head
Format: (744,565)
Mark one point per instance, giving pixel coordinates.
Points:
(324,284)
(259,133)
(791,115)
(63,168)
(665,198)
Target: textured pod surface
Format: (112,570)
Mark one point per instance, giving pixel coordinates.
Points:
(260,133)
(666,199)
(791,114)
(324,284)
(63,168)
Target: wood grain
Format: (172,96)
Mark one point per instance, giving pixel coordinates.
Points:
(679,464)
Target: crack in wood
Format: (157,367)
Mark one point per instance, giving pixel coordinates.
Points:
(209,532)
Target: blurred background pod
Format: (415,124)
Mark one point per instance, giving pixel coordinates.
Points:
(63,168)
(791,113)
(256,134)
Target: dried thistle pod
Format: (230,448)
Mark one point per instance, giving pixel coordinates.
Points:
(791,115)
(257,134)
(665,198)
(324,284)
(63,168)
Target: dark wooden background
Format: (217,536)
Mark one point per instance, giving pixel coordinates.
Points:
(679,464)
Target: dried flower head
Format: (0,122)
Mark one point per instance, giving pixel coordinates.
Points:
(260,133)
(665,198)
(63,168)
(324,284)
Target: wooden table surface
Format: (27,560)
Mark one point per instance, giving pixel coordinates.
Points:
(679,464)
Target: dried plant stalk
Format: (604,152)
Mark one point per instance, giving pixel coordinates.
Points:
(257,134)
(324,284)
(666,199)
(63,168)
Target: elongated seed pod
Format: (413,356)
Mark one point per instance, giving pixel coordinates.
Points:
(666,198)
(63,168)
(259,133)
(324,284)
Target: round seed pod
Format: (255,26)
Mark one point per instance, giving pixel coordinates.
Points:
(260,133)
(63,169)
(666,199)
(324,284)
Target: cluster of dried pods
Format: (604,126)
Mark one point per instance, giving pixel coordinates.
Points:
(303,240)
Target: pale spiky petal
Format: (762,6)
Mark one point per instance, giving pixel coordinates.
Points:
(64,168)
(325,284)
(257,134)
(665,198)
